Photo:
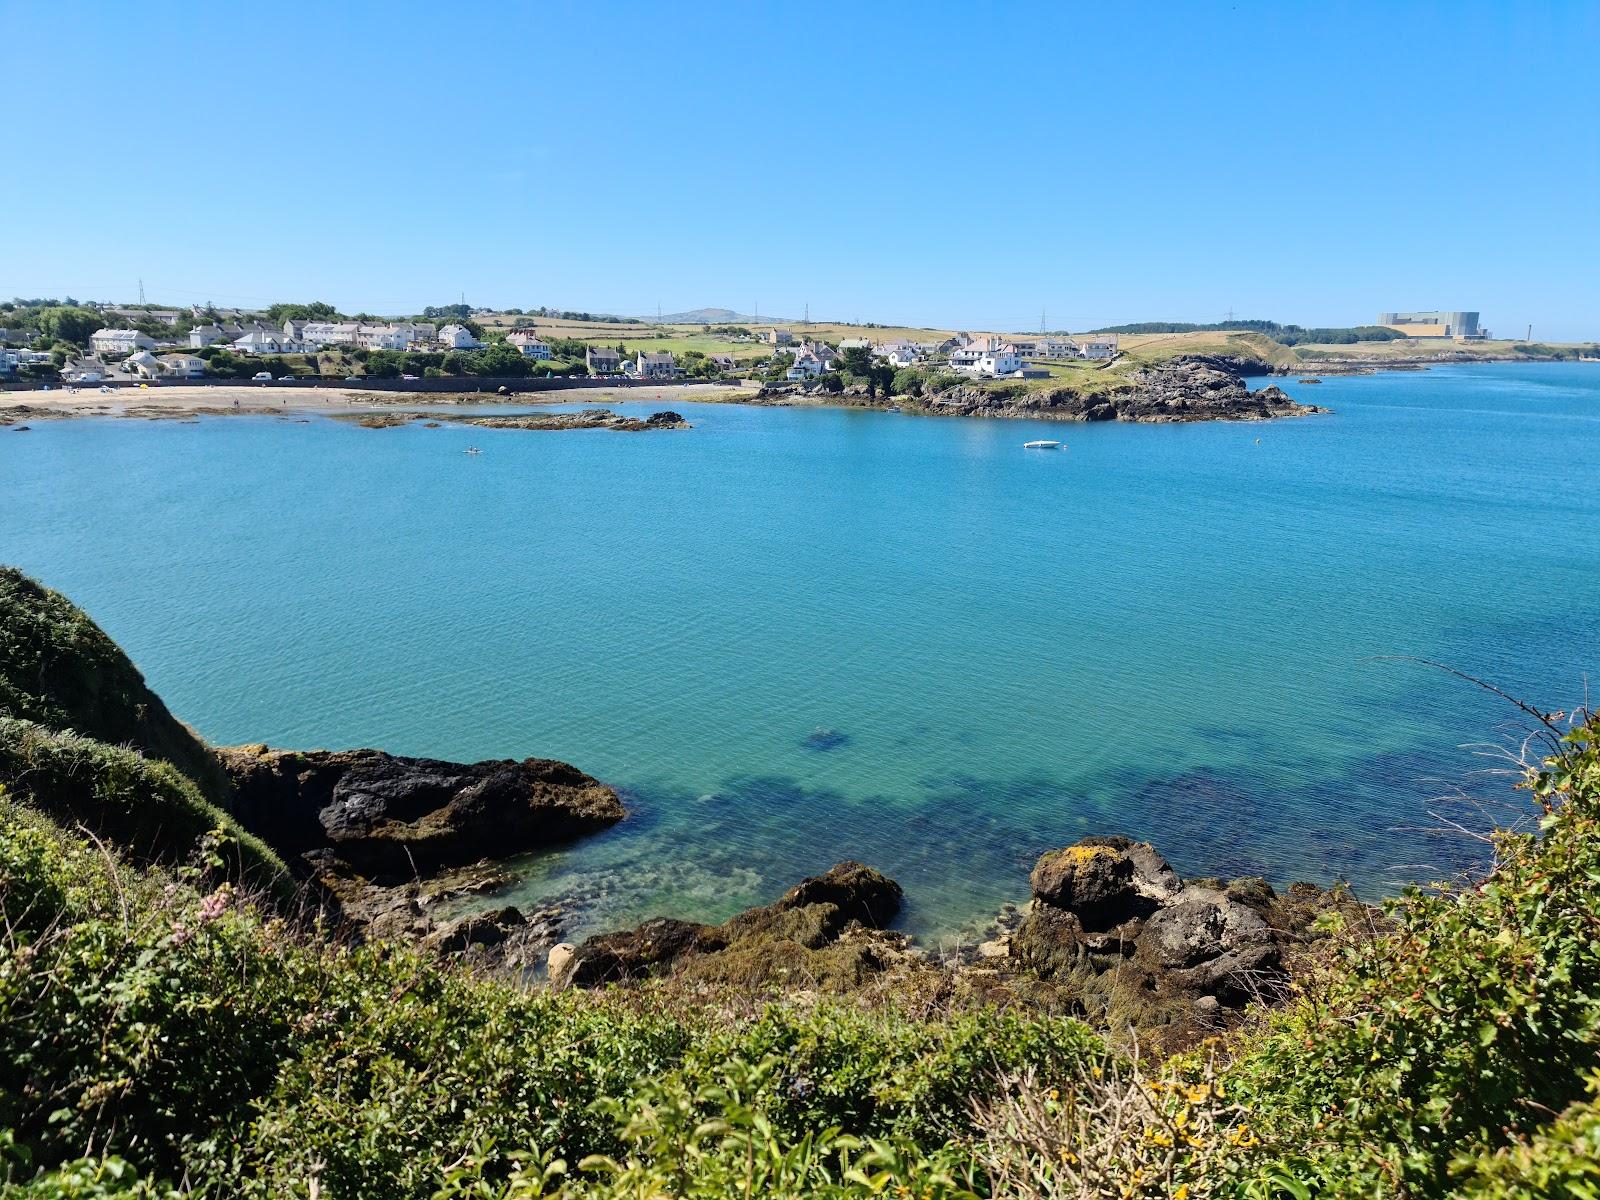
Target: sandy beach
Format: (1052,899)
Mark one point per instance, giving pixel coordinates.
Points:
(180,401)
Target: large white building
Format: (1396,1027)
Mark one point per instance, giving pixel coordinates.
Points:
(120,341)
(331,333)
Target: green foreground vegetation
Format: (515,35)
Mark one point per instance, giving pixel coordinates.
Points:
(170,1025)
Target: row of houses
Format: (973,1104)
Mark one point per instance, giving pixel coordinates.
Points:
(307,337)
(989,355)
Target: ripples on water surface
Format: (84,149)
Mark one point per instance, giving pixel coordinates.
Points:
(797,635)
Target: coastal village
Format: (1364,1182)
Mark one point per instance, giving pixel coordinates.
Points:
(152,344)
(66,344)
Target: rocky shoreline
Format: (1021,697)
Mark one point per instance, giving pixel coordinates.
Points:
(1108,931)
(588,418)
(1186,389)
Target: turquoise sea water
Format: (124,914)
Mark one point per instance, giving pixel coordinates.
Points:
(797,635)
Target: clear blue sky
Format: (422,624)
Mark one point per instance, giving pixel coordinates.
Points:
(959,165)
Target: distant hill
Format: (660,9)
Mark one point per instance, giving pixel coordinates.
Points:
(717,316)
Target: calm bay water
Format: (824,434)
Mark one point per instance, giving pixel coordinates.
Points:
(1174,632)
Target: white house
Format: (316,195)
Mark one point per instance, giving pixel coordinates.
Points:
(899,353)
(384,337)
(1057,348)
(965,359)
(994,363)
(88,370)
(655,364)
(183,366)
(458,337)
(260,341)
(531,345)
(1101,347)
(202,336)
(331,333)
(143,364)
(120,341)
(806,366)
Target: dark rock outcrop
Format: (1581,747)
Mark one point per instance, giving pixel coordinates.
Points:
(1188,388)
(808,930)
(391,818)
(1112,907)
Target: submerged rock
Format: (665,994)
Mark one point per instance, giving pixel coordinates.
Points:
(823,738)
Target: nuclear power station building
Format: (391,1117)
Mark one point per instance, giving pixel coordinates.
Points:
(1460,325)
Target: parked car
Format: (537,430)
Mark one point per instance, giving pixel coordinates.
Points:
(408,377)
(286,378)
(261,377)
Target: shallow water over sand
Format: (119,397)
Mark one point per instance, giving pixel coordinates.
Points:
(798,635)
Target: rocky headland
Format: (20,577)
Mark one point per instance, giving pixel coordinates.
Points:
(1185,389)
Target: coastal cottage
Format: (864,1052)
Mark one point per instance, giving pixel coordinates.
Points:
(810,360)
(655,364)
(1058,348)
(602,360)
(143,364)
(965,359)
(88,370)
(724,363)
(260,341)
(530,343)
(779,337)
(806,366)
(995,363)
(202,336)
(458,337)
(182,366)
(120,341)
(899,353)
(1101,347)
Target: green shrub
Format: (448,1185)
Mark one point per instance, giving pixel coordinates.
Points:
(58,668)
(139,803)
(1467,1026)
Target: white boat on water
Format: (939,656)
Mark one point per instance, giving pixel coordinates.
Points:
(473,450)
(1041,445)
